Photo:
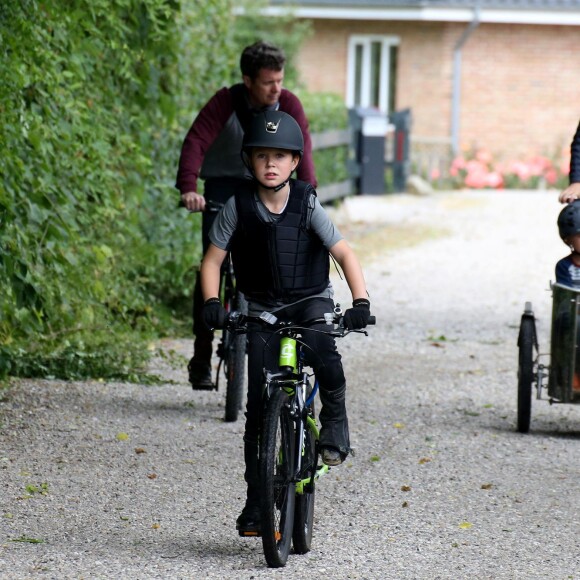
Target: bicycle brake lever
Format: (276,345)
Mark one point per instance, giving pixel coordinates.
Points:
(268,318)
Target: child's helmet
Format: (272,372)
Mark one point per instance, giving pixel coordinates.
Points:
(274,129)
(569,220)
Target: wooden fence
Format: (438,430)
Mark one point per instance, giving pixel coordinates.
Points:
(325,140)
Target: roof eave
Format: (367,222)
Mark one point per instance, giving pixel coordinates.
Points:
(429,14)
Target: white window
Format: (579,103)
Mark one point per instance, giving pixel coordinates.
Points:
(372,62)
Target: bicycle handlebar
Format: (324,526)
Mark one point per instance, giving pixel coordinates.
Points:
(238,322)
(210,206)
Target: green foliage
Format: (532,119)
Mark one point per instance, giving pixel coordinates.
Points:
(327,111)
(91,242)
(95,98)
(284,31)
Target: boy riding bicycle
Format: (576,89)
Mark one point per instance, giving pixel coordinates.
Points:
(280,239)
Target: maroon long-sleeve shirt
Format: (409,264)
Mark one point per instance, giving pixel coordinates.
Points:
(212,146)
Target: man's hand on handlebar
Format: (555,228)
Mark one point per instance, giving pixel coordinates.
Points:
(193,201)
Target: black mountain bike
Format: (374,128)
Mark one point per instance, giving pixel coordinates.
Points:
(289,450)
(231,350)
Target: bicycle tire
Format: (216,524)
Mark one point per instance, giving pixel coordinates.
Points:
(277,486)
(304,508)
(235,365)
(525,373)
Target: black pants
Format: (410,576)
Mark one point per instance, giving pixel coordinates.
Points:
(263,351)
(218,190)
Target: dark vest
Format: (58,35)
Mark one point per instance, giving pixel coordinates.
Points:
(281,260)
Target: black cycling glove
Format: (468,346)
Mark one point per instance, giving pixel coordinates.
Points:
(358,316)
(214,314)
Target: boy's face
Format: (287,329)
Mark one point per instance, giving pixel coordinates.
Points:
(265,89)
(574,242)
(273,166)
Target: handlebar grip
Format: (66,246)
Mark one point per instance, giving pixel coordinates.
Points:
(372,320)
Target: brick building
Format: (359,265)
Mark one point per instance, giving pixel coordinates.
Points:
(503,75)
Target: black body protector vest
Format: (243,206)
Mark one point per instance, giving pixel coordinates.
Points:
(281,260)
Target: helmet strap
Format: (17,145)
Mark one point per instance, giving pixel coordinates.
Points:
(273,187)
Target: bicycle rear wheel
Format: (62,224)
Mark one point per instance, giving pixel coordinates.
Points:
(278,489)
(304,510)
(235,364)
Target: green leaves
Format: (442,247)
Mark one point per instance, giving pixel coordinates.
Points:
(95,99)
(27,540)
(87,89)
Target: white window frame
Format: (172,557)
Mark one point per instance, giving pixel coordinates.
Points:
(366,42)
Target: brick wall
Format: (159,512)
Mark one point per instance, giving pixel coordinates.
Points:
(520,84)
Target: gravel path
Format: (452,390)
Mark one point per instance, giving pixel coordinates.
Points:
(129,481)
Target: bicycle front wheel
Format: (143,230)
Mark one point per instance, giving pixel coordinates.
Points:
(235,365)
(304,510)
(278,489)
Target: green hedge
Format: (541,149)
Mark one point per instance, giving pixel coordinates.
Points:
(95,99)
(91,243)
(325,112)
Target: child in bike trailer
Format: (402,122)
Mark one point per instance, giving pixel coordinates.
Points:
(568,269)
(281,240)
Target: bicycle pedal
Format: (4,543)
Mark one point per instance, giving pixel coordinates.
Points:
(204,387)
(249,533)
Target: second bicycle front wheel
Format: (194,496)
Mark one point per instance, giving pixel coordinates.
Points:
(276,479)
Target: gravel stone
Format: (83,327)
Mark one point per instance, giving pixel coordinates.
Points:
(441,486)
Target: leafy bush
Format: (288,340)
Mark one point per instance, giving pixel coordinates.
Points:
(90,134)
(325,112)
(95,99)
(478,169)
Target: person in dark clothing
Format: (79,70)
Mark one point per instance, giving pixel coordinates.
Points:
(568,268)
(572,192)
(211,151)
(281,239)
(568,274)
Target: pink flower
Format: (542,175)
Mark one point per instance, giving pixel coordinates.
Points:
(565,167)
(435,173)
(484,156)
(494,179)
(457,165)
(477,169)
(537,165)
(520,169)
(551,176)
(476,174)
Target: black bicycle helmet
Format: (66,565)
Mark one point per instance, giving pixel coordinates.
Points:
(569,220)
(274,129)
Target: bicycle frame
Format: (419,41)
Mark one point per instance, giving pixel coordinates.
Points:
(296,382)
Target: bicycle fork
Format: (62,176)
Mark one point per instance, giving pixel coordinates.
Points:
(305,421)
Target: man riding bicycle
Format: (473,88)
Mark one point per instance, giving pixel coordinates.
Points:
(211,151)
